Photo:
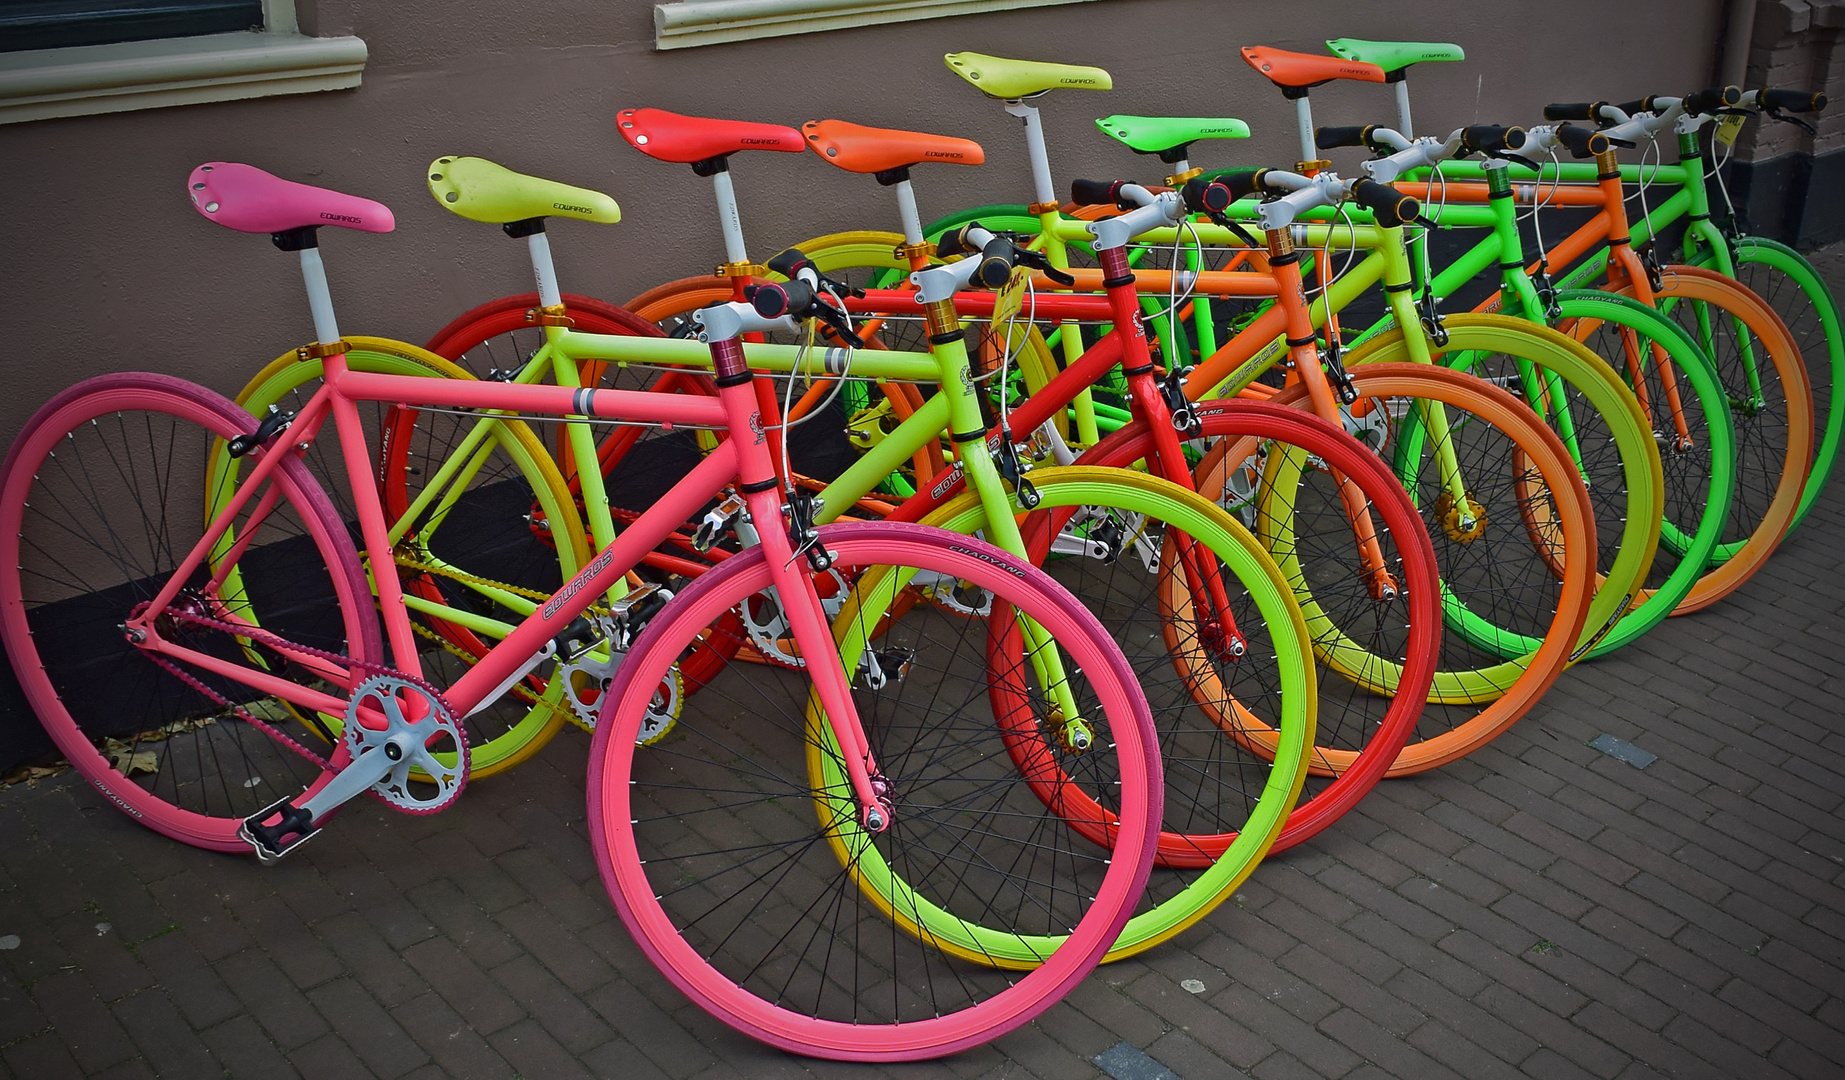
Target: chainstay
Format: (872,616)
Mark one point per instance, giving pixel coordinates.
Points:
(272,642)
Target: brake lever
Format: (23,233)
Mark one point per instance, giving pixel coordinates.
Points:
(838,322)
(1037,261)
(1777,114)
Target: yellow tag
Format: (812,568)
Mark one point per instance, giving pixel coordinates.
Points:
(1011,299)
(1728,127)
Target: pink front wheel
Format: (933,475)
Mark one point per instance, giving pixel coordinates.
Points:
(731,850)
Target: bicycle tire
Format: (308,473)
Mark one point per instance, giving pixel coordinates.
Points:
(1788,283)
(1110,537)
(89,529)
(650,807)
(1358,734)
(1774,430)
(1621,462)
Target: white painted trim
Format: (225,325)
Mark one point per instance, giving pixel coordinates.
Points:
(712,22)
(88,79)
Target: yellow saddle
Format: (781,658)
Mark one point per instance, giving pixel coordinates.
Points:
(479,190)
(1002,78)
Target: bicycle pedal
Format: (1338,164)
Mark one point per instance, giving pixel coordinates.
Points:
(635,596)
(269,840)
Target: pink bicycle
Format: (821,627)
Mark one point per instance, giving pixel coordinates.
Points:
(253,690)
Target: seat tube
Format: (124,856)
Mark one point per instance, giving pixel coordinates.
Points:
(787,572)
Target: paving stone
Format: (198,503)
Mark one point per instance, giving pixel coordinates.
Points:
(162,1036)
(246,1051)
(642,1022)
(189,980)
(458,1050)
(463,922)
(370,959)
(43,1055)
(463,985)
(366,1028)
(68,1002)
(271,997)
(1218,1032)
(287,941)
(572,1023)
(327,1058)
(533,1052)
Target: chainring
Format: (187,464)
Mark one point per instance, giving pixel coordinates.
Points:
(386,696)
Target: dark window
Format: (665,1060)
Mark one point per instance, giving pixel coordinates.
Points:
(49,24)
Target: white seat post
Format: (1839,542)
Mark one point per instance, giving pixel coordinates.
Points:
(1034,148)
(320,297)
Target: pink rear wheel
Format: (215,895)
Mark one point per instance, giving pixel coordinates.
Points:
(99,500)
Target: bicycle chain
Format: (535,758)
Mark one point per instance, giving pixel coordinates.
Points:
(271,641)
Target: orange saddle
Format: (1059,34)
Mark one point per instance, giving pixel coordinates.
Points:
(860,149)
(1295,72)
(685,139)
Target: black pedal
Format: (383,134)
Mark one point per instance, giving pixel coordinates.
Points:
(273,842)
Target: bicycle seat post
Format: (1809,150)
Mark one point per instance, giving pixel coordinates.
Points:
(314,277)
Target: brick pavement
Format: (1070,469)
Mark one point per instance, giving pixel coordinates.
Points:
(1539,910)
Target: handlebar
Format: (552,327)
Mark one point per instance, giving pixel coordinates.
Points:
(802,296)
(993,255)
(1149,210)
(1785,100)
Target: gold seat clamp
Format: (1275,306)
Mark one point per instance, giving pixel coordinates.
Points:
(1178,181)
(1044,208)
(741,269)
(319,351)
(911,252)
(549,315)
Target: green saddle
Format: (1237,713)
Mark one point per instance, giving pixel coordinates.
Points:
(1002,78)
(1168,134)
(1393,56)
(479,190)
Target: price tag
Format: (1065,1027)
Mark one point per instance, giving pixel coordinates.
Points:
(1011,299)
(1728,127)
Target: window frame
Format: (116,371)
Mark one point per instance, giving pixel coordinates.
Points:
(85,80)
(690,23)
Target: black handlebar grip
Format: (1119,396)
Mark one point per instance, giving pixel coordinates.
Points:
(996,261)
(954,241)
(1582,142)
(1792,100)
(789,262)
(775,299)
(1332,138)
(1492,138)
(1391,207)
(1645,104)
(1095,192)
(1206,196)
(1703,101)
(1574,110)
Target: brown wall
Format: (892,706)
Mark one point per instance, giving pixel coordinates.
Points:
(106,268)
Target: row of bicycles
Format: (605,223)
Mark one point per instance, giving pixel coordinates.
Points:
(956,607)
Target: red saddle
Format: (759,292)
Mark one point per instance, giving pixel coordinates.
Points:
(685,139)
(1298,71)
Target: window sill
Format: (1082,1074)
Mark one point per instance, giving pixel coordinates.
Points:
(713,22)
(91,79)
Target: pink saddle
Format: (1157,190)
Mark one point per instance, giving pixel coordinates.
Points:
(245,198)
(672,137)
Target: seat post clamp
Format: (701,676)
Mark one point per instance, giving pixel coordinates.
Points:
(741,269)
(1308,168)
(914,252)
(549,315)
(320,351)
(1038,209)
(1177,180)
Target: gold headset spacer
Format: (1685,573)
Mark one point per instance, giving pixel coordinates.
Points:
(319,351)
(549,315)
(1178,180)
(1041,208)
(912,252)
(741,269)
